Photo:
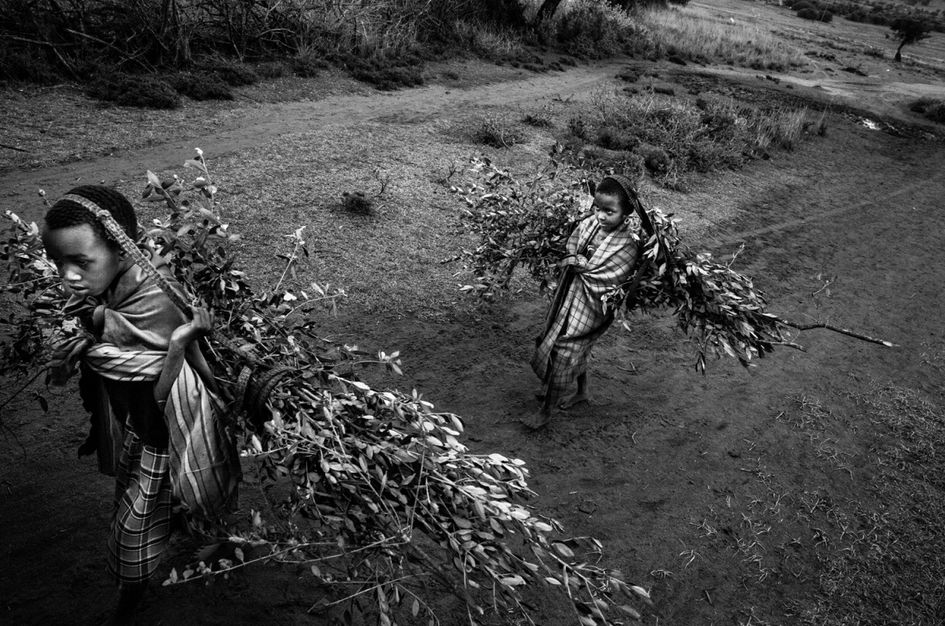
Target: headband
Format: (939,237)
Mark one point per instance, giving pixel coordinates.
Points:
(118,233)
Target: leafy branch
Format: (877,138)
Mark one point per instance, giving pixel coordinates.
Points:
(527,224)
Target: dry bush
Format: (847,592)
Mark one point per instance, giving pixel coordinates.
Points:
(496,131)
(202,86)
(596,30)
(488,40)
(672,136)
(780,128)
(692,33)
(931,108)
(134,91)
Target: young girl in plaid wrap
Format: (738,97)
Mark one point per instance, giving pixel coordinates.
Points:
(146,383)
(602,252)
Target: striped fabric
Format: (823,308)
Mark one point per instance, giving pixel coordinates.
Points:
(203,466)
(577,318)
(141,524)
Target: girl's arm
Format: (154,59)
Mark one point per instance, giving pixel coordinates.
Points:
(181,340)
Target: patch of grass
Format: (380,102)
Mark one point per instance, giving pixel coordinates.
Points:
(931,108)
(496,131)
(202,86)
(694,33)
(673,136)
(147,92)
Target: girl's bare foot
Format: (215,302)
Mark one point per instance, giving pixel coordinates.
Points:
(574,400)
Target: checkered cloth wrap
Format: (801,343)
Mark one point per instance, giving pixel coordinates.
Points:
(141,524)
(576,318)
(203,463)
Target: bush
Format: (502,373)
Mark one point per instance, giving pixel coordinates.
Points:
(540,118)
(234,74)
(357,202)
(497,132)
(202,86)
(28,65)
(271,69)
(146,92)
(598,30)
(931,108)
(308,63)
(817,15)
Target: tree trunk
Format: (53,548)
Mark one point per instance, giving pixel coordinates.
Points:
(547,10)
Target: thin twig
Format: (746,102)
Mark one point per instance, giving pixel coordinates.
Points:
(837,329)
(23,386)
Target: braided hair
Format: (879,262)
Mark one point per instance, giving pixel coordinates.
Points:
(66,213)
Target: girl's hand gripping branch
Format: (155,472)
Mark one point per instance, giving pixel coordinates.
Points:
(576,261)
(182,339)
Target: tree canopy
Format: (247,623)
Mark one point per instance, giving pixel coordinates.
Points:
(910,30)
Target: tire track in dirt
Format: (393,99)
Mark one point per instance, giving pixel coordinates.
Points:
(262,125)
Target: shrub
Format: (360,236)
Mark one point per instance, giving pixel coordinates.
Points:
(540,118)
(135,91)
(357,202)
(597,30)
(235,74)
(498,132)
(488,40)
(201,86)
(656,159)
(817,15)
(931,108)
(27,65)
(271,69)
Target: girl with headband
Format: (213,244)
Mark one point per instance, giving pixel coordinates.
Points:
(144,379)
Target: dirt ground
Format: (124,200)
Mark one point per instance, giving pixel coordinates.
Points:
(804,490)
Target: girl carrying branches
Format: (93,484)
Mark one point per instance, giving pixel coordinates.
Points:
(602,254)
(155,416)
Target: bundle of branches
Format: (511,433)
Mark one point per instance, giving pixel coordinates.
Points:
(384,501)
(526,223)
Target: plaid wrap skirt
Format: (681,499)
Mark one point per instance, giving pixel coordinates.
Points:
(141,524)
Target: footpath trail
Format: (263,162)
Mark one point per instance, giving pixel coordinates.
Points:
(258,125)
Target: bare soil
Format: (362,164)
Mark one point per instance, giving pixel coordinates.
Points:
(804,490)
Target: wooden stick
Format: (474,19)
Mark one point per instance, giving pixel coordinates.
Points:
(837,329)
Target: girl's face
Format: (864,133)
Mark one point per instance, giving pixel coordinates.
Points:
(86,264)
(610,214)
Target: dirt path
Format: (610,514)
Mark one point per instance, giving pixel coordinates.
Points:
(259,125)
(710,490)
